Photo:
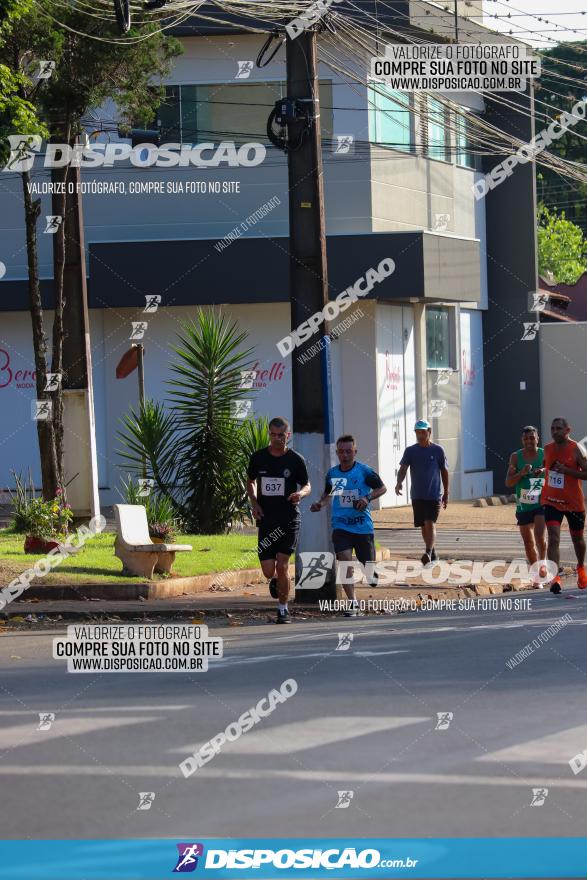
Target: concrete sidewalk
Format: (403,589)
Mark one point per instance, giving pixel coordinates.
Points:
(246,593)
(458,515)
(243,604)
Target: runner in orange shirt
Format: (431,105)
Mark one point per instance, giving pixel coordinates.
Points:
(562,495)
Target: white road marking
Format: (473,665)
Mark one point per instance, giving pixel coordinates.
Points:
(555,748)
(28,734)
(243,660)
(345,776)
(320,630)
(92,709)
(285,739)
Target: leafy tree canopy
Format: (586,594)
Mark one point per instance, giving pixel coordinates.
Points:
(554,190)
(16,113)
(562,248)
(92,65)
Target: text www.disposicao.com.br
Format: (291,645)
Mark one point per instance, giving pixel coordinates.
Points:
(134,664)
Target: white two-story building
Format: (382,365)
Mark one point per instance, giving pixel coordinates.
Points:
(398,177)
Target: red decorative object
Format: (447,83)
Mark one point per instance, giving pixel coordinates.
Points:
(127,363)
(33,544)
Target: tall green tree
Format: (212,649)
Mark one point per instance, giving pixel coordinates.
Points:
(562,83)
(562,248)
(19,115)
(92,65)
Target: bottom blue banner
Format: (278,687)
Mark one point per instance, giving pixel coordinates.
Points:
(303,858)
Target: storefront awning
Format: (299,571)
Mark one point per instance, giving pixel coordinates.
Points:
(428,267)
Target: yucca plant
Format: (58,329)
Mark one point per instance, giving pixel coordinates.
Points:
(254,435)
(196,449)
(205,393)
(149,447)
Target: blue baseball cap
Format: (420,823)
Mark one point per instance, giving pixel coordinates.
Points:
(422,425)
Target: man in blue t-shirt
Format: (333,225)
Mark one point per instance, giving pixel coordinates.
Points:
(352,486)
(428,466)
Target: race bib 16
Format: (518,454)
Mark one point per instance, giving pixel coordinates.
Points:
(556,481)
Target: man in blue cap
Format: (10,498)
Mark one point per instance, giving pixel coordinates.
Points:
(428,466)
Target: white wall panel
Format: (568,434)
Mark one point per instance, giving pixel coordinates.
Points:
(472,391)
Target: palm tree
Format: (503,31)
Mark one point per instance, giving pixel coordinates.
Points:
(197,449)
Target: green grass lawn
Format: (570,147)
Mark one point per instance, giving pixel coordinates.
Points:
(96,562)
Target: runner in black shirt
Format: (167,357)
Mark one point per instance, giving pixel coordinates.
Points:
(276,473)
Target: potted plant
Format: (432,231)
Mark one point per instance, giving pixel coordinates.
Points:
(48,524)
(162,532)
(44,523)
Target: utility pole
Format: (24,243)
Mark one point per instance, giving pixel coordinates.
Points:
(311,385)
(141,372)
(79,428)
(134,359)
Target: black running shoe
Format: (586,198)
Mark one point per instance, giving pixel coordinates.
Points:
(425,558)
(283,616)
(433,556)
(273,587)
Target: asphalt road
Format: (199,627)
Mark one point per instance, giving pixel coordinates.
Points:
(363,720)
(468,544)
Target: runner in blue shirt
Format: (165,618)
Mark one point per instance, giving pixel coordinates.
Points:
(352,486)
(428,467)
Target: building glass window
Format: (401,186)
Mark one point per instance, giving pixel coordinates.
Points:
(438,346)
(464,155)
(438,131)
(390,119)
(169,115)
(228,111)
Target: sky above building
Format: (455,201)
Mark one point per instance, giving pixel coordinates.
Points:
(539,22)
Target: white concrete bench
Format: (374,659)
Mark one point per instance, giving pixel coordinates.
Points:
(134,547)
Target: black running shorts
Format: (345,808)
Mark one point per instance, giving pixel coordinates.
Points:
(575,518)
(425,511)
(363,545)
(274,539)
(526,517)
